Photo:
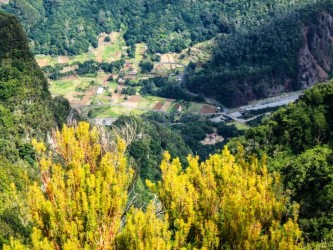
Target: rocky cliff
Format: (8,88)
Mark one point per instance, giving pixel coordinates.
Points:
(291,53)
(316,57)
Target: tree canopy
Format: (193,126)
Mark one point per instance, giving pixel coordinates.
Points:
(298,141)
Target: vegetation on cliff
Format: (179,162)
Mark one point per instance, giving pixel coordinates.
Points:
(221,203)
(265,59)
(70,27)
(26,112)
(298,140)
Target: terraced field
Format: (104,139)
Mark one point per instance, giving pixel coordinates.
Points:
(82,91)
(105,52)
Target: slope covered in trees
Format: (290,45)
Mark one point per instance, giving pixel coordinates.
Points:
(148,142)
(69,27)
(291,51)
(26,111)
(298,140)
(79,192)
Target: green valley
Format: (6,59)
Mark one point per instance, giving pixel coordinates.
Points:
(101,78)
(166,124)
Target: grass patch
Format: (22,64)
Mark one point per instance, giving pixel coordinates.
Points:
(139,51)
(111,112)
(62,87)
(112,86)
(149,101)
(82,58)
(239,125)
(110,53)
(195,107)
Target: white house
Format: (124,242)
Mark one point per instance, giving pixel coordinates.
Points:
(100,91)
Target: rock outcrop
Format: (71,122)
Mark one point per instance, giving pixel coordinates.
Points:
(248,73)
(316,57)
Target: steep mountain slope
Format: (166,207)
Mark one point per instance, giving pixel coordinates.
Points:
(69,27)
(299,142)
(148,147)
(292,51)
(25,102)
(26,111)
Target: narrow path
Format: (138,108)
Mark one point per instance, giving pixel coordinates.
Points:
(170,63)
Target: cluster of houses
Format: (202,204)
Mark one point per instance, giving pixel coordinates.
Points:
(212,139)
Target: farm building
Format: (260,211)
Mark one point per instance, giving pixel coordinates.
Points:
(133,72)
(178,107)
(212,139)
(100,91)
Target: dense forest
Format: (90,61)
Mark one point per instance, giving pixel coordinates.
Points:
(26,111)
(266,59)
(298,141)
(70,27)
(259,46)
(26,104)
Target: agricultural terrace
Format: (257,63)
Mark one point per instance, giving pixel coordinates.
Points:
(101,94)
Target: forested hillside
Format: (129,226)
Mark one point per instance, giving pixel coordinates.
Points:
(298,141)
(69,27)
(261,48)
(291,51)
(149,141)
(26,111)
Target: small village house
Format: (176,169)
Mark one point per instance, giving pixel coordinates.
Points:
(100,90)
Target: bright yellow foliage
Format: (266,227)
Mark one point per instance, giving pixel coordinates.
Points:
(225,203)
(84,192)
(15,245)
(144,231)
